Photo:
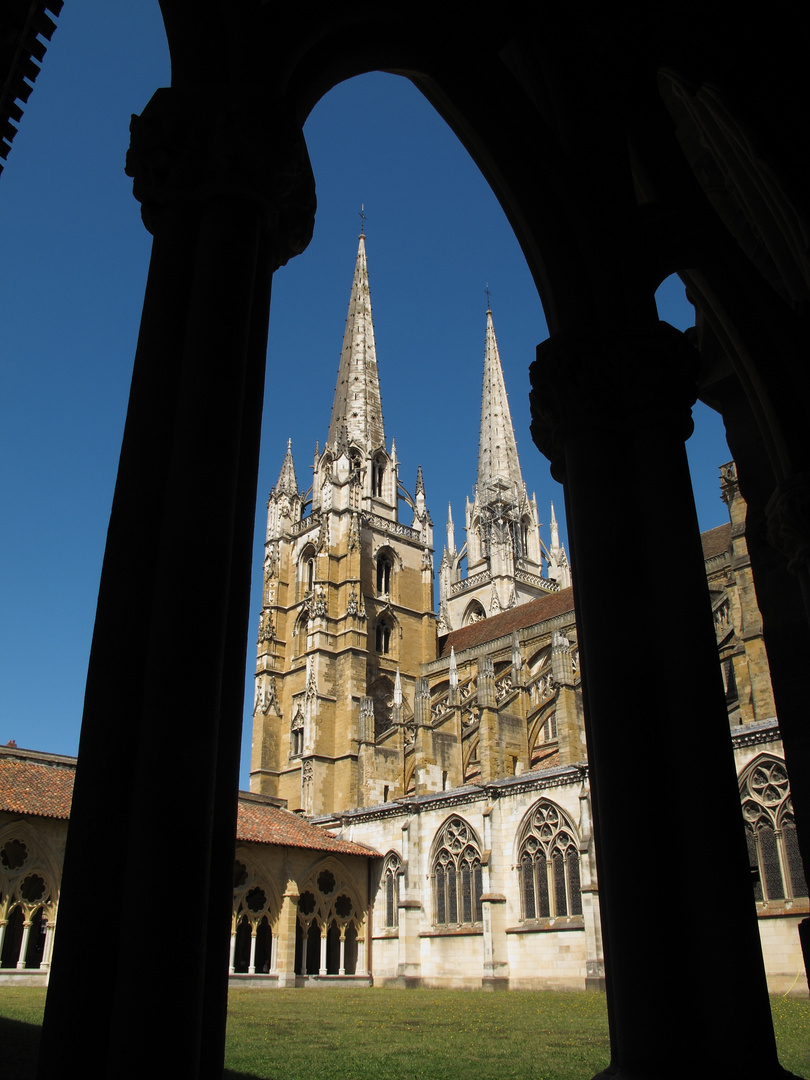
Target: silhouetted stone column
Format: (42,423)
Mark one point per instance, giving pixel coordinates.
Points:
(227,192)
(612,413)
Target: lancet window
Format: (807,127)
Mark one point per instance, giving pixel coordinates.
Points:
(306,571)
(548,864)
(392,870)
(771,831)
(457,875)
(383,638)
(385,567)
(297,734)
(377,477)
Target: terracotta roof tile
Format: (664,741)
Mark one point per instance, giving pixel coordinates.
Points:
(42,785)
(263,823)
(716,541)
(33,787)
(516,618)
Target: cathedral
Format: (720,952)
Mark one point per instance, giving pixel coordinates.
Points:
(453,745)
(420,811)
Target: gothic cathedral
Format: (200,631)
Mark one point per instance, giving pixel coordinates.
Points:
(452,746)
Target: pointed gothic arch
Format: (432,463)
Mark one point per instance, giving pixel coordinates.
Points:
(770,830)
(516,140)
(455,861)
(547,856)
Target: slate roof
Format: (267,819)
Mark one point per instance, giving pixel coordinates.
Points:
(716,541)
(516,618)
(41,785)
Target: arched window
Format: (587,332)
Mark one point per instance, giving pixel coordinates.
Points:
(253,905)
(771,831)
(474,613)
(392,868)
(548,864)
(524,536)
(297,734)
(383,635)
(385,568)
(377,476)
(306,571)
(457,877)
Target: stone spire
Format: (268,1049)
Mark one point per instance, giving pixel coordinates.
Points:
(357,409)
(451,533)
(287,483)
(498,465)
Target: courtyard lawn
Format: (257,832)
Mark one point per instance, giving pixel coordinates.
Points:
(403,1034)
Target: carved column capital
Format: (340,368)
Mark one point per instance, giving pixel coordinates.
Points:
(788,515)
(193,147)
(611,384)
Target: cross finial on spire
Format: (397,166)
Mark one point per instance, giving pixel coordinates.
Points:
(362,219)
(486,290)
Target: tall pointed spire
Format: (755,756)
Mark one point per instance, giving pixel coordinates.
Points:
(498,465)
(357,408)
(287,482)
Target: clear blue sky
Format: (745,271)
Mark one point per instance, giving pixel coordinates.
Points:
(73,263)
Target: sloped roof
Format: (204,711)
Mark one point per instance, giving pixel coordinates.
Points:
(265,823)
(716,541)
(516,618)
(42,788)
(42,785)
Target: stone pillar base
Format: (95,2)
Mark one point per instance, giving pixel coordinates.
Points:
(495,982)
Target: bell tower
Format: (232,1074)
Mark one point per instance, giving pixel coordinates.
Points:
(347,615)
(505,555)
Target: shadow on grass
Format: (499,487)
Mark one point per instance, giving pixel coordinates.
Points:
(20,1042)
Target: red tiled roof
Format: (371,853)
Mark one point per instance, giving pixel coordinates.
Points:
(716,541)
(42,785)
(34,787)
(263,823)
(516,618)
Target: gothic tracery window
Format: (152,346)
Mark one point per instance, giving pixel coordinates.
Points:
(390,890)
(771,831)
(457,875)
(548,863)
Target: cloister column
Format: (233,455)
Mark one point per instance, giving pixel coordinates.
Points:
(611,412)
(227,192)
(232,953)
(284,939)
(324,933)
(47,945)
(252,963)
(24,944)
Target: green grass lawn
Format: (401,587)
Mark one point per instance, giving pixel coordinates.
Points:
(403,1034)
